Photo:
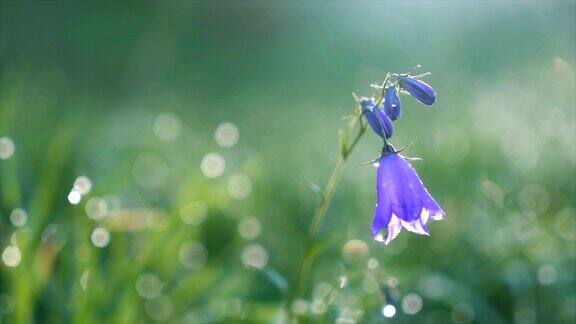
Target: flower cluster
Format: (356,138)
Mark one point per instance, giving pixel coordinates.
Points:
(402,199)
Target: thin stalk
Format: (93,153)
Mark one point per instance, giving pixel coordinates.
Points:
(322,208)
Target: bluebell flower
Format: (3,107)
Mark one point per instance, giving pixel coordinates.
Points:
(402,200)
(376,117)
(392,105)
(419,89)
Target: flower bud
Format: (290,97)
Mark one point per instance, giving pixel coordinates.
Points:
(392,105)
(419,89)
(376,117)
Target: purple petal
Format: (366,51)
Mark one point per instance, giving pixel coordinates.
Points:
(403,201)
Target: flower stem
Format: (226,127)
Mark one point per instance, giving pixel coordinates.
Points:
(320,213)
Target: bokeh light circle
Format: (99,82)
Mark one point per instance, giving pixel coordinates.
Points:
(6,148)
(18,217)
(226,135)
(11,256)
(148,285)
(213,165)
(255,256)
(100,237)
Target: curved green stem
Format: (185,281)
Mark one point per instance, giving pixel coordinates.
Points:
(320,213)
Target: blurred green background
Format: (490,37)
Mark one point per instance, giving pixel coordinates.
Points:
(156,159)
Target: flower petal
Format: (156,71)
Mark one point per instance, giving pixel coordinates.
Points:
(403,201)
(394,228)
